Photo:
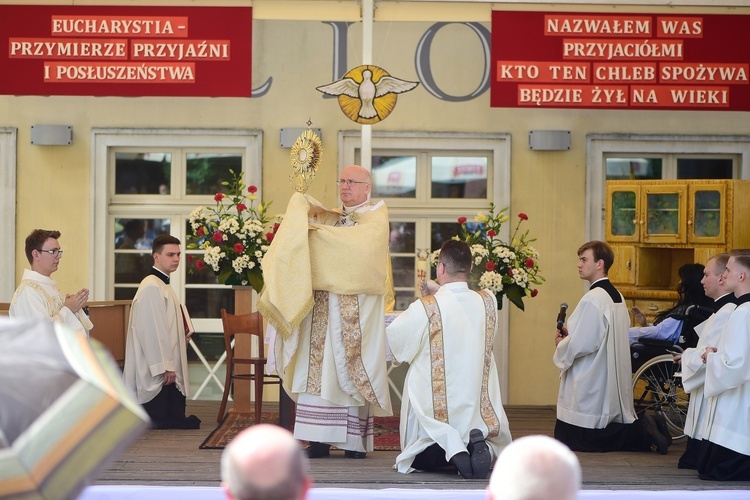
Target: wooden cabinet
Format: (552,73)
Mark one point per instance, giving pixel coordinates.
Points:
(654,227)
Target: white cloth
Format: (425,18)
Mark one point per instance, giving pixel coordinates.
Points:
(38,296)
(468,383)
(594,360)
(727,376)
(156,341)
(694,371)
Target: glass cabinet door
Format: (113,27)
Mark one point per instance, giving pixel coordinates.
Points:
(707,213)
(665,217)
(622,212)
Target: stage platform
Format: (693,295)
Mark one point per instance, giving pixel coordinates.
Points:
(171,458)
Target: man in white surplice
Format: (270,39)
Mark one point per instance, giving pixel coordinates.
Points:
(326,277)
(595,410)
(38,296)
(451,408)
(693,369)
(156,367)
(725,449)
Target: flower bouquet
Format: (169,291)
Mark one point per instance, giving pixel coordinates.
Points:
(505,268)
(232,235)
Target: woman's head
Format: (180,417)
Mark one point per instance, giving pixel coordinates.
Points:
(690,289)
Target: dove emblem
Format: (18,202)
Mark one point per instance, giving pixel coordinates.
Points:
(367,94)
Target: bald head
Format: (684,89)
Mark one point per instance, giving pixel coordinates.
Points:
(535,468)
(354,185)
(264,462)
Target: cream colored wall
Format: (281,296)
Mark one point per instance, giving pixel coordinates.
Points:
(53,182)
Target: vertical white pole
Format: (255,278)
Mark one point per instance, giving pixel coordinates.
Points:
(368,13)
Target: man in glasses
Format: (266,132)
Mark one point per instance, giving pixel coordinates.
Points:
(327,273)
(38,294)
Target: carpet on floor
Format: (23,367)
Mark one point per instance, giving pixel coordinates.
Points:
(385,430)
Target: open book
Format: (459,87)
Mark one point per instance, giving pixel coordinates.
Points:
(187,322)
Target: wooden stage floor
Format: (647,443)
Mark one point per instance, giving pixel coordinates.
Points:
(172,458)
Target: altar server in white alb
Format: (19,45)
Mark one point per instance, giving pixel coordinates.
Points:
(327,277)
(725,449)
(38,295)
(156,367)
(693,368)
(451,408)
(595,410)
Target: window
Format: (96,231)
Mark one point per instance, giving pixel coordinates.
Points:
(428,181)
(658,157)
(147,183)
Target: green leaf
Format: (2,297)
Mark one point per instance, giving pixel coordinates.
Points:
(515,294)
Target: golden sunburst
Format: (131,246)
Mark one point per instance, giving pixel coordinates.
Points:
(305,155)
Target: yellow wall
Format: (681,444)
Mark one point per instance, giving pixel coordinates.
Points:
(53,189)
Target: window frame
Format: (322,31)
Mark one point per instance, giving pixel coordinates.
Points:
(600,146)
(105,207)
(8,141)
(498,192)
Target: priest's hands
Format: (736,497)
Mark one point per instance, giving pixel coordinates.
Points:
(428,287)
(75,301)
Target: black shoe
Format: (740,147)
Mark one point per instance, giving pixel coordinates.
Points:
(318,450)
(653,435)
(462,461)
(480,454)
(661,425)
(355,454)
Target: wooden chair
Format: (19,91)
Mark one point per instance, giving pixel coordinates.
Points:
(252,325)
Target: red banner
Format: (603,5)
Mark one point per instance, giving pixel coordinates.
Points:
(620,61)
(126,51)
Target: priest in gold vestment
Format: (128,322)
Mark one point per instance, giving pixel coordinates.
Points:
(326,277)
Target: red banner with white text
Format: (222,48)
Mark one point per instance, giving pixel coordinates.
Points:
(620,61)
(126,51)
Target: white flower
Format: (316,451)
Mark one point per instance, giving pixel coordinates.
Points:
(212,256)
(505,254)
(520,277)
(230,226)
(491,281)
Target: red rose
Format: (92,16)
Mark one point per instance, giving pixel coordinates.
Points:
(534,292)
(510,272)
(241,207)
(462,220)
(523,216)
(491,233)
(239,248)
(252,189)
(490,266)
(219,197)
(199,265)
(201,231)
(191,257)
(529,262)
(218,237)
(269,237)
(276,227)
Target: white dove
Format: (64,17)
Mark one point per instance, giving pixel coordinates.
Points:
(367,91)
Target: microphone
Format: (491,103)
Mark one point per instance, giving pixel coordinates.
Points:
(561,316)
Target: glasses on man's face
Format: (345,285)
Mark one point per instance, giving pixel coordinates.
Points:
(54,253)
(348,183)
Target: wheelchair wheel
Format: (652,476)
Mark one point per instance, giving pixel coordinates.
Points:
(657,386)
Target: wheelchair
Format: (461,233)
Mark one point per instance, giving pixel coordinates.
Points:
(657,383)
(657,379)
